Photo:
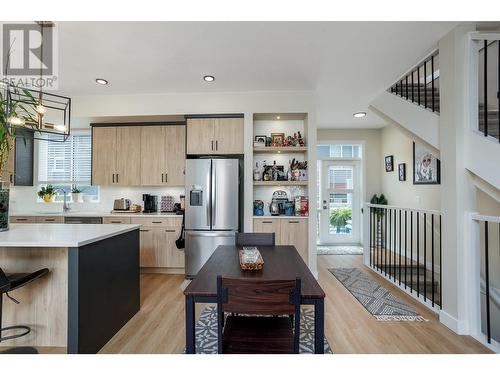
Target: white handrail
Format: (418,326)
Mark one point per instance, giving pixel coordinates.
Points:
(491,219)
(435,212)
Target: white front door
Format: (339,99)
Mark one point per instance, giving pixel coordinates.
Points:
(339,206)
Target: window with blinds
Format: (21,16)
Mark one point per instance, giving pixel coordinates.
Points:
(67,165)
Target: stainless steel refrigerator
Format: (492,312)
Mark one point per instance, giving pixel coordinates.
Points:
(212,208)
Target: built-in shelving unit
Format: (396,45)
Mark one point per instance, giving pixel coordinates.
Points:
(280,183)
(278,150)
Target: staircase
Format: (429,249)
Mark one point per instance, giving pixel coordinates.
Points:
(493,128)
(418,94)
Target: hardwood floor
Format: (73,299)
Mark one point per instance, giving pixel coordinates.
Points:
(349,328)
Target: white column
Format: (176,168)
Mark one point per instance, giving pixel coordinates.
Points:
(457,192)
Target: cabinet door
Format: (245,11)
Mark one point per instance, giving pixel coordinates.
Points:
(103,155)
(295,232)
(200,136)
(50,220)
(152,252)
(128,156)
(152,155)
(228,135)
(22,219)
(175,257)
(175,154)
(268,226)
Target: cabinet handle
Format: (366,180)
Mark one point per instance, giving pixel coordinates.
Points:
(49,219)
(267,222)
(115,222)
(143,230)
(212,145)
(21,219)
(293,222)
(170,230)
(11,178)
(162,177)
(156,222)
(166,177)
(117,177)
(216,145)
(113,178)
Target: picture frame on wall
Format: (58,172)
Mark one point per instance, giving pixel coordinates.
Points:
(426,167)
(389,163)
(402,171)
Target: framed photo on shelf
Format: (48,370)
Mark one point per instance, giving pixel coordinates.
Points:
(277,139)
(402,171)
(426,167)
(259,141)
(389,163)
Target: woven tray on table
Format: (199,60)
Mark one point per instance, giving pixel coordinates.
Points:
(253,266)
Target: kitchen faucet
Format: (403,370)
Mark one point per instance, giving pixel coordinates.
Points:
(66,207)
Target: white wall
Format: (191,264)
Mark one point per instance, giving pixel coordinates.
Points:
(397,143)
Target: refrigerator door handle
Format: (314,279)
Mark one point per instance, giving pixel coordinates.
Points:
(209,192)
(214,193)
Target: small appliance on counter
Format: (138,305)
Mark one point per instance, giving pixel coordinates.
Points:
(277,206)
(150,203)
(122,204)
(258,208)
(167,203)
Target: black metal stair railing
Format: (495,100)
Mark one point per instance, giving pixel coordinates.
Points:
(421,84)
(405,247)
(489,89)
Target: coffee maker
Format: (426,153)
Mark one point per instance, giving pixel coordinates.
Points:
(150,203)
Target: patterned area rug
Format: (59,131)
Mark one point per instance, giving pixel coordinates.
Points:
(339,250)
(375,298)
(206,332)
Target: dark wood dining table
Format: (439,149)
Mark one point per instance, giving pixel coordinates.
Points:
(280,262)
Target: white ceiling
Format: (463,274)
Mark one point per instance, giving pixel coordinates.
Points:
(346,63)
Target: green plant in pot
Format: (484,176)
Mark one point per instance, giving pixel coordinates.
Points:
(339,217)
(47,193)
(76,195)
(11,114)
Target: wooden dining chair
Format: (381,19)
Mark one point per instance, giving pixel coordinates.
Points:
(255,239)
(266,326)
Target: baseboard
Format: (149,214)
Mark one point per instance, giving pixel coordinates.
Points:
(458,326)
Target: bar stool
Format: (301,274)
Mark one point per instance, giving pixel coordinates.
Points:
(9,283)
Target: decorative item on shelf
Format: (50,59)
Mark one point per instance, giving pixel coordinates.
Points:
(76,195)
(289,209)
(259,141)
(47,193)
(426,167)
(167,203)
(277,139)
(251,259)
(183,201)
(269,141)
(301,206)
(258,208)
(389,163)
(257,176)
(402,171)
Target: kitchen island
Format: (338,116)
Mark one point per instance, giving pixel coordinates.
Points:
(91,291)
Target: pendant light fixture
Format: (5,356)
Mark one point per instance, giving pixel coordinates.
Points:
(47,115)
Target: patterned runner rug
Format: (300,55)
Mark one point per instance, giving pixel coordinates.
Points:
(375,298)
(339,250)
(206,332)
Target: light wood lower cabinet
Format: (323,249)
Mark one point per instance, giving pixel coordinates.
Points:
(288,231)
(22,219)
(50,219)
(158,238)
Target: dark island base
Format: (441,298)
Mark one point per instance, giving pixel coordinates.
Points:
(103,291)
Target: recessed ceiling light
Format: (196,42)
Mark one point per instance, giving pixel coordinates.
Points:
(209,78)
(359,114)
(101,81)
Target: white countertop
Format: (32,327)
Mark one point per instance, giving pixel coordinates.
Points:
(91,214)
(60,235)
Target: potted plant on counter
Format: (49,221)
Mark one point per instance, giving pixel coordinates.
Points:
(76,195)
(47,193)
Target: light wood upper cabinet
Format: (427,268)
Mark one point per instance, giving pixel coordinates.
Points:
(219,136)
(228,136)
(128,156)
(175,146)
(103,155)
(200,136)
(152,155)
(139,155)
(294,232)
